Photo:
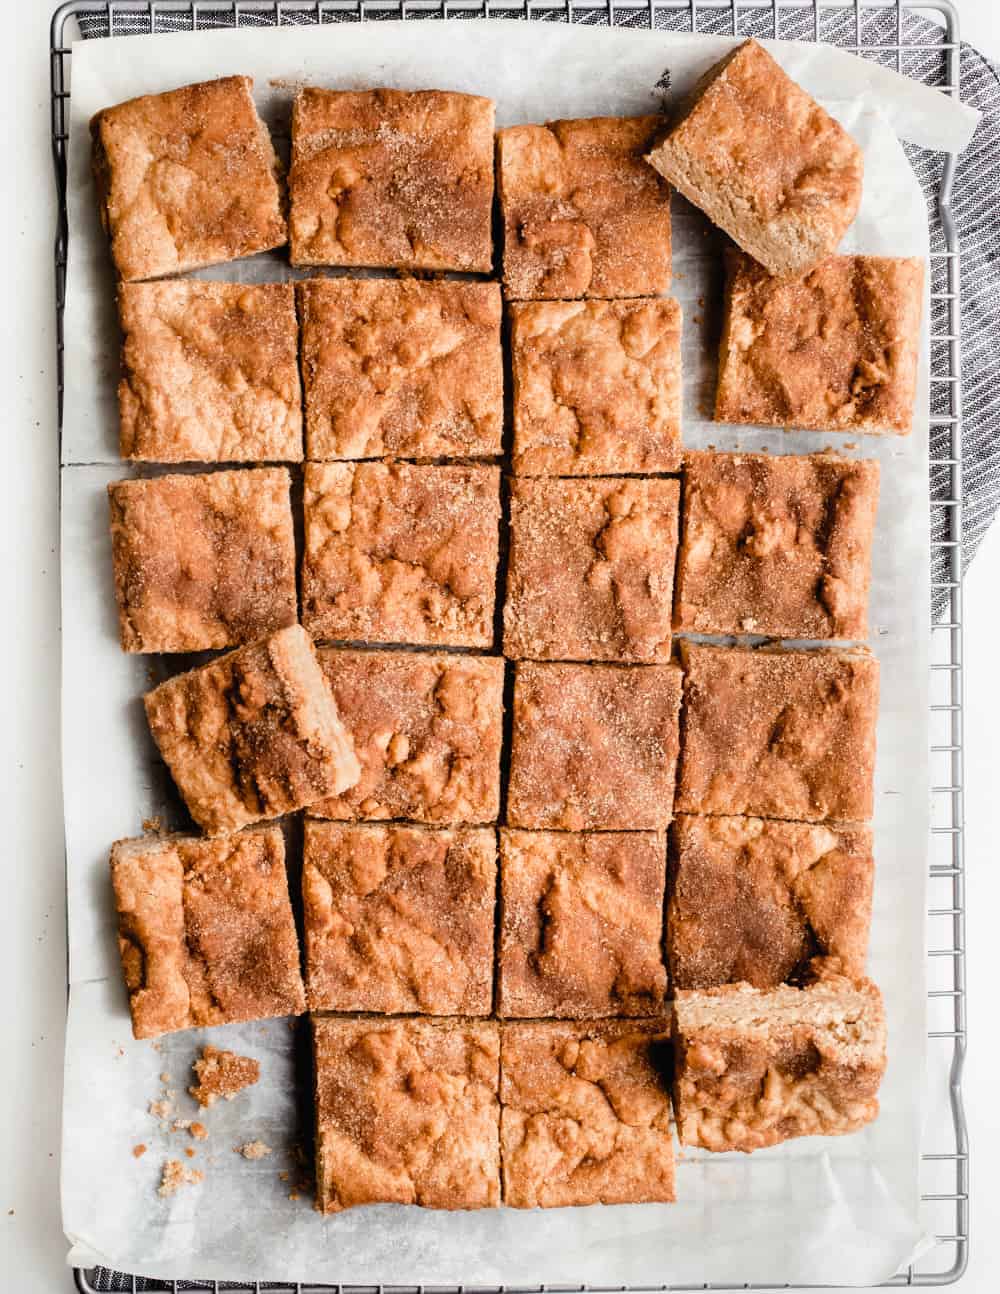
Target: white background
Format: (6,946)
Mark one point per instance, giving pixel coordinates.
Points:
(31,893)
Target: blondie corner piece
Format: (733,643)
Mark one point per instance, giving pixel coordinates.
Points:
(186,179)
(764,162)
(205,930)
(754,1069)
(254,734)
(586,1114)
(406,1113)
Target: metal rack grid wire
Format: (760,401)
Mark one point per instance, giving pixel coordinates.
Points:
(898,34)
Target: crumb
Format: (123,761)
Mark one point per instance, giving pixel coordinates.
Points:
(121,1051)
(138,1151)
(154,825)
(175,1175)
(189,1152)
(222,1073)
(253,1150)
(160,1109)
(293,1195)
(284,1175)
(198,1131)
(164,1078)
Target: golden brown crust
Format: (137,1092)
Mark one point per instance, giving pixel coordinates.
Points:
(222,1073)
(581,924)
(597,387)
(400,553)
(776,545)
(391,178)
(401,368)
(186,178)
(586,1114)
(764,161)
(399,919)
(406,1113)
(835,350)
(254,734)
(205,930)
(427,729)
(594,746)
(584,215)
(591,569)
(780,734)
(203,561)
(756,901)
(209,372)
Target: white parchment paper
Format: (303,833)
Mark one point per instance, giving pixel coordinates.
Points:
(814,1211)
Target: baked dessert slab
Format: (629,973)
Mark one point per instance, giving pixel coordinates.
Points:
(253,734)
(210,372)
(400,179)
(427,729)
(186,178)
(205,930)
(203,561)
(777,545)
(401,553)
(399,919)
(591,569)
(597,387)
(406,1113)
(778,734)
(754,901)
(755,1068)
(581,924)
(764,162)
(833,350)
(594,747)
(401,368)
(586,1113)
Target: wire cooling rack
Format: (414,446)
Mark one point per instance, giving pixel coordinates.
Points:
(898,35)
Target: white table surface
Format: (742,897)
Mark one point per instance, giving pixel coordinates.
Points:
(31,1242)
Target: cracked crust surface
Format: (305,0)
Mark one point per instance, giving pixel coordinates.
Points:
(594,746)
(399,919)
(755,901)
(835,350)
(776,545)
(780,734)
(581,924)
(186,178)
(427,729)
(254,734)
(406,1113)
(203,561)
(597,387)
(398,553)
(209,373)
(401,368)
(591,570)
(222,1074)
(205,930)
(586,1114)
(584,214)
(756,1068)
(392,178)
(764,161)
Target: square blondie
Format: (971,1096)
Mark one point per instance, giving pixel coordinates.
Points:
(594,747)
(253,734)
(764,162)
(581,924)
(401,553)
(401,368)
(834,350)
(210,373)
(777,545)
(591,570)
(400,179)
(406,1113)
(584,215)
(427,729)
(586,1113)
(186,178)
(202,562)
(778,734)
(205,930)
(597,387)
(399,919)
